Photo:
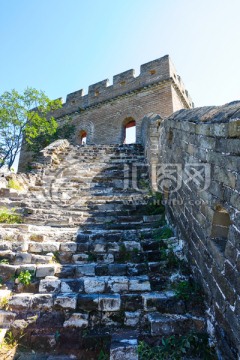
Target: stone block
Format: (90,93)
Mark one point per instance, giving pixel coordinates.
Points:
(132,245)
(42,302)
(132,318)
(117,269)
(228,146)
(35,247)
(50,285)
(42,259)
(23,258)
(50,247)
(77,320)
(94,285)
(72,285)
(105,258)
(64,271)
(109,303)
(21,301)
(220,130)
(117,284)
(99,248)
(45,270)
(66,301)
(228,178)
(80,258)
(125,349)
(88,302)
(113,247)
(234,128)
(68,246)
(85,270)
(7,272)
(207,142)
(5,245)
(140,283)
(235,200)
(102,269)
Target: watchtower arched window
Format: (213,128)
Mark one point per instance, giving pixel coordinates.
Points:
(83,137)
(129,131)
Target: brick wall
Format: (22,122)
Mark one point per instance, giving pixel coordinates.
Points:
(104,110)
(206,212)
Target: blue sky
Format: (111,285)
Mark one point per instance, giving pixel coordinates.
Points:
(61,46)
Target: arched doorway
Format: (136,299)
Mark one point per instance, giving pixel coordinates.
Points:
(83,137)
(129,125)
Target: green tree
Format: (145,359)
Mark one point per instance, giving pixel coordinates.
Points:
(27,116)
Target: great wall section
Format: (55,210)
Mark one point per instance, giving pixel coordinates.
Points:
(115,249)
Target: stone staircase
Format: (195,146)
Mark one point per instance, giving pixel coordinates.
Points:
(92,238)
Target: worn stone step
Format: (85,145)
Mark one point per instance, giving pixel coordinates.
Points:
(165,324)
(99,284)
(93,218)
(114,235)
(6,318)
(17,258)
(159,276)
(124,347)
(121,226)
(146,302)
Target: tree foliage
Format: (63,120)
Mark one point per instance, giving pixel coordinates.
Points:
(64,131)
(25,116)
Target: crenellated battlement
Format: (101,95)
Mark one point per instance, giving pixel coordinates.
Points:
(151,73)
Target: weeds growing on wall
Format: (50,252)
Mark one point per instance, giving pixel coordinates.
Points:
(177,348)
(155,206)
(14,184)
(164,233)
(9,216)
(187,290)
(24,277)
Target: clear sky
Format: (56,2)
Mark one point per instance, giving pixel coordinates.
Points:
(61,46)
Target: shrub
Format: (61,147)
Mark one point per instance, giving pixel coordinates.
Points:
(164,233)
(178,347)
(25,277)
(186,290)
(9,216)
(155,206)
(14,184)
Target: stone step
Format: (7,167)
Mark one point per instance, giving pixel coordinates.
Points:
(124,346)
(89,268)
(114,235)
(97,218)
(20,258)
(121,226)
(61,220)
(6,318)
(153,304)
(98,284)
(166,324)
(87,207)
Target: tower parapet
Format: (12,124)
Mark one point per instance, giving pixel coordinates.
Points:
(151,73)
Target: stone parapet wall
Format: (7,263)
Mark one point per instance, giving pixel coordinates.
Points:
(150,73)
(198,171)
